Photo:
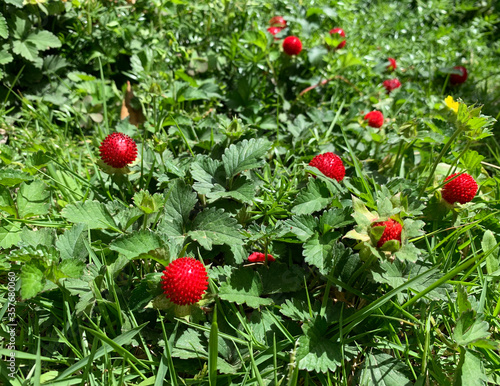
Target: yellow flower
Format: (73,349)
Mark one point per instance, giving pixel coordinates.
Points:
(451,103)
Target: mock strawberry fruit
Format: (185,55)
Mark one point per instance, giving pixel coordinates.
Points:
(330,165)
(459,78)
(292,45)
(184,281)
(118,150)
(341,32)
(259,256)
(461,189)
(274,30)
(392,64)
(391,84)
(375,119)
(277,21)
(392,231)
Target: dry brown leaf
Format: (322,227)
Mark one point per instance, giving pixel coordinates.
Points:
(136,117)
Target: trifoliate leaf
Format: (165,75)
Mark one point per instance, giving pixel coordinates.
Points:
(214,226)
(92,213)
(190,344)
(244,286)
(245,155)
(315,197)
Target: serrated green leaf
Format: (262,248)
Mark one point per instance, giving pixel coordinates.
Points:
(209,175)
(17,3)
(470,327)
(303,226)
(139,297)
(92,213)
(381,369)
(10,234)
(136,244)
(27,50)
(279,278)
(6,202)
(244,286)
(43,40)
(190,344)
(180,202)
(245,155)
(71,268)
(4,30)
(71,243)
(408,252)
(472,372)
(214,226)
(42,236)
(334,218)
(319,251)
(488,244)
(13,177)
(32,279)
(32,199)
(315,197)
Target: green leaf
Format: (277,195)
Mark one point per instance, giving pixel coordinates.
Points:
(190,344)
(279,278)
(92,213)
(316,197)
(334,218)
(381,369)
(42,236)
(13,177)
(319,251)
(43,40)
(244,286)
(139,297)
(148,203)
(17,3)
(472,372)
(32,279)
(71,268)
(27,50)
(180,202)
(32,199)
(137,244)
(244,156)
(489,243)
(209,175)
(6,202)
(470,328)
(303,226)
(4,30)
(214,226)
(10,234)
(71,244)
(315,351)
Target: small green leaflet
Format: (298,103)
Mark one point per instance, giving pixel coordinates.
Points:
(92,213)
(244,286)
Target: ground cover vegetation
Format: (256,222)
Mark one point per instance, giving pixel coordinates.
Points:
(248,192)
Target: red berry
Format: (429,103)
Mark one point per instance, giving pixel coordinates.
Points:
(184,281)
(330,165)
(392,64)
(277,21)
(462,189)
(391,84)
(274,30)
(341,32)
(375,119)
(292,45)
(259,256)
(118,150)
(392,231)
(459,78)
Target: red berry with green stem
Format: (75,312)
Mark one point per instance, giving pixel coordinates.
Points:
(461,189)
(392,231)
(184,281)
(341,32)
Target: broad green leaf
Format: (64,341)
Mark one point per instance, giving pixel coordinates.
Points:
(209,175)
(139,297)
(319,251)
(493,259)
(42,236)
(4,30)
(27,50)
(13,177)
(244,286)
(470,328)
(244,155)
(381,369)
(214,226)
(242,190)
(180,202)
(136,244)
(92,213)
(43,40)
(279,278)
(316,197)
(32,199)
(10,234)
(190,344)
(32,279)
(334,218)
(17,3)
(71,268)
(303,226)
(71,243)
(472,372)
(6,202)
